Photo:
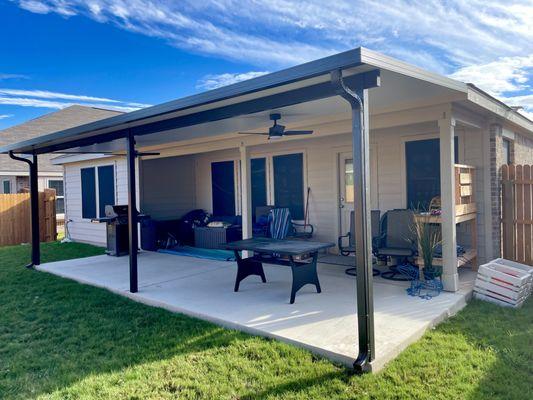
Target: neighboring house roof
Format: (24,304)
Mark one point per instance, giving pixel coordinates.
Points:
(218,104)
(56,121)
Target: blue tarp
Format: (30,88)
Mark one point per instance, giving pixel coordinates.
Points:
(208,254)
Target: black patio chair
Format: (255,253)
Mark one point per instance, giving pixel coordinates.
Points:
(347,250)
(397,240)
(375,216)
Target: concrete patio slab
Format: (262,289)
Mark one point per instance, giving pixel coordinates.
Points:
(325,323)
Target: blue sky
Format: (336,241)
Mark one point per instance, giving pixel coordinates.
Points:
(126,54)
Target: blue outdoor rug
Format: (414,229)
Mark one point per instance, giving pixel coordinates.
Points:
(208,254)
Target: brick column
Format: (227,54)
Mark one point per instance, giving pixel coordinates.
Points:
(496,161)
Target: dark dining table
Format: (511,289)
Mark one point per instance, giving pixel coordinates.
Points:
(300,255)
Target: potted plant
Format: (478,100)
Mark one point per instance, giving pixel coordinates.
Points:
(428,238)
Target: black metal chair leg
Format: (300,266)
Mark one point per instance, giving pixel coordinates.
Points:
(393,275)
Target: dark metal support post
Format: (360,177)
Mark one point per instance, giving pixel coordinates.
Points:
(358,99)
(132,213)
(34,205)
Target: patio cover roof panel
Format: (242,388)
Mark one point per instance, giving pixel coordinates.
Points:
(302,76)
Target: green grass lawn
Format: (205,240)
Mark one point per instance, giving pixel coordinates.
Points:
(63,340)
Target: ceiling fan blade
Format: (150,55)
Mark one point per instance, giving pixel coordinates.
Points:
(289,133)
(253,133)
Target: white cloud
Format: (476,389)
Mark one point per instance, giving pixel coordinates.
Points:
(436,35)
(487,42)
(508,78)
(209,82)
(44,7)
(37,103)
(4,116)
(12,76)
(507,74)
(34,6)
(55,100)
(44,94)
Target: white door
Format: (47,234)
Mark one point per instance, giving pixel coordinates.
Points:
(346,183)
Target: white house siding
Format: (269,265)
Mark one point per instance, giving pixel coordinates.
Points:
(80,229)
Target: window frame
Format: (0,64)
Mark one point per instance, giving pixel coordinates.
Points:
(269,156)
(97,186)
(413,137)
(507,151)
(58,196)
(4,181)
(101,213)
(236,183)
(304,181)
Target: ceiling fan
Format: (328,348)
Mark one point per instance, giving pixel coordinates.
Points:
(277,131)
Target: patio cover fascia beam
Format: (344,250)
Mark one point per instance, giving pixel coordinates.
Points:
(279,100)
(357,97)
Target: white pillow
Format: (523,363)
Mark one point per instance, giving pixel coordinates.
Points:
(218,224)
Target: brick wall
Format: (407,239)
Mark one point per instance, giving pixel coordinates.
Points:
(522,152)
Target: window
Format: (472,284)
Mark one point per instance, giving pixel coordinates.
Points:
(289,183)
(348,181)
(6,186)
(93,201)
(88,193)
(422,158)
(106,188)
(259,183)
(57,185)
(507,145)
(223,188)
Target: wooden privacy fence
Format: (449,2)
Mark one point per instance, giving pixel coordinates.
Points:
(517,213)
(15,214)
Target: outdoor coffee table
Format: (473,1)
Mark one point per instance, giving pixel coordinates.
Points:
(281,252)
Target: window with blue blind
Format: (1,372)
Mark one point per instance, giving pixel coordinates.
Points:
(422,159)
(259,183)
(88,193)
(223,188)
(106,188)
(289,183)
(93,198)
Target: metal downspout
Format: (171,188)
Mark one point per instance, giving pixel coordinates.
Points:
(360,148)
(34,205)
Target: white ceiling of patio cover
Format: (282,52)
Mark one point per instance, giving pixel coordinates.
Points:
(396,91)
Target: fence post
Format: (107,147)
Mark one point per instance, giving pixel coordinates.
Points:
(508,213)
